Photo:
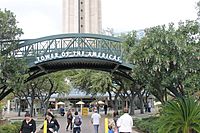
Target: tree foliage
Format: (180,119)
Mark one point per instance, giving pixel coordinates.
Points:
(43,88)
(12,69)
(167,57)
(90,81)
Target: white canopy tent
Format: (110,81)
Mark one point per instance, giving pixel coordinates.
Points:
(80,103)
(60,103)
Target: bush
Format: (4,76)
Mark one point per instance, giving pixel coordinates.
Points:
(181,114)
(10,128)
(147,125)
(17,125)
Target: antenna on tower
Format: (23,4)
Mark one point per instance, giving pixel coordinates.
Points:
(79,27)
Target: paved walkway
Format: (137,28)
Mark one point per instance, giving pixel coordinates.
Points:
(86,127)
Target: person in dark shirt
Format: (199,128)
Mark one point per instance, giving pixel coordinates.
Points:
(69,119)
(105,108)
(28,125)
(52,124)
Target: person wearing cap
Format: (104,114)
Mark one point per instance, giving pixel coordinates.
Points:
(28,124)
(95,119)
(125,122)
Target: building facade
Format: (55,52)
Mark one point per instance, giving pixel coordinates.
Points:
(82,16)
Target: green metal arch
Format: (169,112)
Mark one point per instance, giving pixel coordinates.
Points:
(70,35)
(96,50)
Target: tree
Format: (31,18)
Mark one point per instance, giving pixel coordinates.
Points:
(139,80)
(95,82)
(166,56)
(198,9)
(50,84)
(42,88)
(12,69)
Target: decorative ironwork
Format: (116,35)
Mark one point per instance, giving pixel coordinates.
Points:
(52,46)
(73,51)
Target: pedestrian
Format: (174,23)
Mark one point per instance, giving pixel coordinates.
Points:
(105,108)
(77,121)
(146,107)
(149,106)
(62,111)
(52,124)
(28,124)
(95,119)
(110,129)
(69,119)
(111,126)
(125,122)
(115,116)
(98,107)
(49,110)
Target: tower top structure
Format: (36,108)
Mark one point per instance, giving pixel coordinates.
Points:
(82,16)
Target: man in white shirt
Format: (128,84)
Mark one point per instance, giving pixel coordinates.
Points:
(125,122)
(95,119)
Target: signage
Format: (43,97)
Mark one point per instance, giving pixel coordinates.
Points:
(85,111)
(69,54)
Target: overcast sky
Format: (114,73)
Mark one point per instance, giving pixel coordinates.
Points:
(40,18)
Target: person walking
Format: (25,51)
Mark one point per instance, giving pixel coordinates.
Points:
(28,124)
(115,118)
(52,124)
(149,106)
(105,108)
(77,121)
(69,119)
(110,129)
(62,111)
(125,122)
(95,119)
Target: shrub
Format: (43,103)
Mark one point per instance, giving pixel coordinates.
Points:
(10,128)
(180,115)
(17,125)
(147,125)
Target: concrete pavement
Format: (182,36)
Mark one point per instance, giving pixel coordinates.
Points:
(86,127)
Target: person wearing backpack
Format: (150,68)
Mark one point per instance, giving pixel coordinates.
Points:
(77,121)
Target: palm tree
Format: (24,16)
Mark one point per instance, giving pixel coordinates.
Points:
(181,115)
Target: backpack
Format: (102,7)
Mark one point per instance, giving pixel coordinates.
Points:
(77,121)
